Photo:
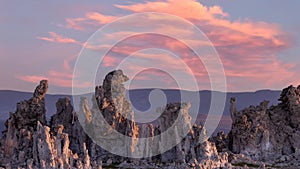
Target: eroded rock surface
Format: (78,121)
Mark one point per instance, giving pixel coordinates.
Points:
(269,134)
(21,124)
(193,149)
(28,142)
(63,116)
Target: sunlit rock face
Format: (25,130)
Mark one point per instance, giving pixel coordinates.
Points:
(192,147)
(69,121)
(268,133)
(116,111)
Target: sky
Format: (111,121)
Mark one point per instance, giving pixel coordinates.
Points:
(257,42)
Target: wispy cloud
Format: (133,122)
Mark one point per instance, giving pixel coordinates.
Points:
(54,81)
(90,19)
(59,78)
(56,38)
(189,9)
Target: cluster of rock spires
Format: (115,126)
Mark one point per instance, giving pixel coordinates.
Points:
(268,134)
(28,142)
(261,137)
(194,149)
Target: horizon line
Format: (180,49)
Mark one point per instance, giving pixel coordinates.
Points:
(249,91)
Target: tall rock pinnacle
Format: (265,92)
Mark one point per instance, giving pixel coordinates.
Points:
(23,122)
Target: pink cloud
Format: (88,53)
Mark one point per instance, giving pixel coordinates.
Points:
(67,66)
(189,9)
(62,78)
(110,61)
(241,64)
(53,73)
(213,20)
(54,79)
(247,48)
(54,37)
(32,79)
(90,19)
(149,79)
(131,46)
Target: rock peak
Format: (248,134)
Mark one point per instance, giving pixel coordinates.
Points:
(41,90)
(290,97)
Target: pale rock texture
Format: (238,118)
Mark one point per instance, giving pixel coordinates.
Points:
(269,134)
(115,110)
(65,117)
(16,140)
(28,142)
(193,149)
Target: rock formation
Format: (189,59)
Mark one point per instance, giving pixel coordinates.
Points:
(261,136)
(28,142)
(63,116)
(115,110)
(268,134)
(193,149)
(21,125)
